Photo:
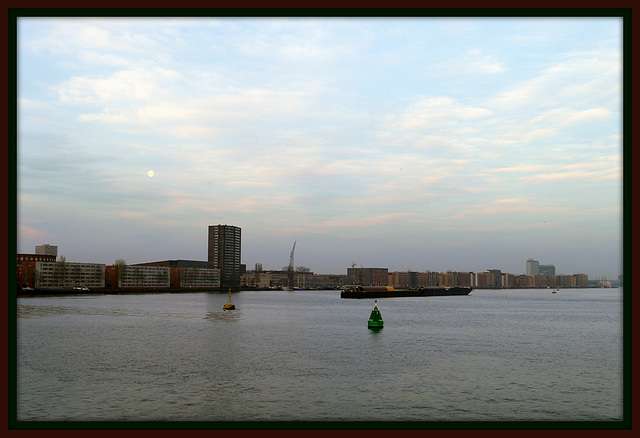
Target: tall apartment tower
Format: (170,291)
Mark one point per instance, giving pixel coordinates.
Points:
(224,253)
(47,250)
(533,267)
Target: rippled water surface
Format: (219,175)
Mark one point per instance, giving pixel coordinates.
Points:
(308,355)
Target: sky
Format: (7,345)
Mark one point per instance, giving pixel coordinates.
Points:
(403,143)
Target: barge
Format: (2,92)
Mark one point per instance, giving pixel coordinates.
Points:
(391,292)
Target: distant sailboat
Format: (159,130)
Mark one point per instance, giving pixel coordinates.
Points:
(229,305)
(375,319)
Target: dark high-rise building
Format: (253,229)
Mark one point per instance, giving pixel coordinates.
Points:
(224,253)
(549,270)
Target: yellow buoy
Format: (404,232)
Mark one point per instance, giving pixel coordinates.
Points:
(229,305)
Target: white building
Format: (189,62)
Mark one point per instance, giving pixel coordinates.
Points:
(67,274)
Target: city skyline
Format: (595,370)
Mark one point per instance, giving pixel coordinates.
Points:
(353,265)
(459,144)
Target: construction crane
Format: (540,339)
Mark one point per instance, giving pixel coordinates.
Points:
(290,270)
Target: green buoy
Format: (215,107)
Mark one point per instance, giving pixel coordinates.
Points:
(375,320)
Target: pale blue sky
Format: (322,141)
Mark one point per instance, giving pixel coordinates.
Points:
(425,143)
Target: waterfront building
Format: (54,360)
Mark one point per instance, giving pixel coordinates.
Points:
(495,278)
(46,249)
(26,266)
(533,267)
(447,278)
(508,280)
(543,280)
(133,276)
(196,276)
(481,279)
(224,253)
(563,280)
(582,280)
(520,280)
(327,281)
(302,279)
(189,273)
(368,276)
(260,280)
(167,273)
(277,278)
(423,279)
(464,279)
(549,270)
(69,274)
(406,279)
(433,278)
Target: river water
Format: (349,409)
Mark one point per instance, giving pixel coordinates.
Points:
(495,355)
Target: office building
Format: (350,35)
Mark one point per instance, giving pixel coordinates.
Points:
(533,267)
(224,253)
(549,270)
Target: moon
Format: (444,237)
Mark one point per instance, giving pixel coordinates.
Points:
(151,173)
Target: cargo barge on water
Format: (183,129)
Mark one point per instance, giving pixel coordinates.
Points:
(391,292)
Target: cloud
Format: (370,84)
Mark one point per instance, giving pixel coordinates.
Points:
(108,42)
(512,201)
(586,78)
(123,86)
(588,116)
(438,110)
(32,233)
(521,168)
(505,214)
(594,169)
(473,229)
(473,62)
(585,175)
(363,221)
(569,117)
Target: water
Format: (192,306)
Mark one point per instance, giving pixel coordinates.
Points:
(308,355)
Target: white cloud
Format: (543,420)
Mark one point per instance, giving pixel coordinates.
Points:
(473,62)
(129,86)
(593,169)
(578,78)
(438,110)
(588,116)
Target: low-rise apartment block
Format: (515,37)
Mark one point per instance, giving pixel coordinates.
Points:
(69,274)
